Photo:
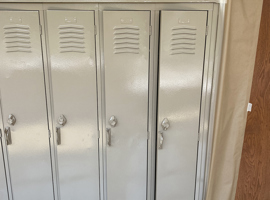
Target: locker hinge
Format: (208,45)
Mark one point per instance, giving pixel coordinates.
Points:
(49,133)
(199,137)
(148,135)
(150,30)
(40,29)
(95,30)
(0,134)
(207,29)
(98,134)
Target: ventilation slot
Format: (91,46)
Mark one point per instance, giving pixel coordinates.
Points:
(71,38)
(126,40)
(183,40)
(17,38)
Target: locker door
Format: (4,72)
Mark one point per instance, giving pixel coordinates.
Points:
(24,105)
(182,46)
(126,55)
(73,71)
(3,183)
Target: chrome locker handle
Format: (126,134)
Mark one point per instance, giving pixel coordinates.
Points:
(8,135)
(58,135)
(62,120)
(160,140)
(109,136)
(11,120)
(113,121)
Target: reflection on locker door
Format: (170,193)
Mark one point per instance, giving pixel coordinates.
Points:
(182,46)
(126,55)
(3,183)
(24,105)
(73,71)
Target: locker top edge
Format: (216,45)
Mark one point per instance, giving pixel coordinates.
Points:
(112,1)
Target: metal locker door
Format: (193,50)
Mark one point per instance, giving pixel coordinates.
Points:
(126,57)
(3,183)
(24,105)
(73,71)
(182,46)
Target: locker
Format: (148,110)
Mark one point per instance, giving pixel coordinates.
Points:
(106,101)
(72,61)
(3,183)
(126,64)
(181,64)
(24,106)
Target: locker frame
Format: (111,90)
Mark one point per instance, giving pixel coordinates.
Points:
(3,156)
(218,10)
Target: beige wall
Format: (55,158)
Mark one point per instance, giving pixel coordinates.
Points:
(240,44)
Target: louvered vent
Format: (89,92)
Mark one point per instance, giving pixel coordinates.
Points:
(71,38)
(126,39)
(17,38)
(183,40)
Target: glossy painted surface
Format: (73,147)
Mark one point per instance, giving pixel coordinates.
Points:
(73,72)
(3,183)
(126,57)
(182,46)
(23,95)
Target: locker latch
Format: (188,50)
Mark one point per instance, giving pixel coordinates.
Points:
(8,135)
(160,140)
(109,136)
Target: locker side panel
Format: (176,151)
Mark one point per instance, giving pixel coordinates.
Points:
(23,95)
(126,54)
(182,47)
(73,71)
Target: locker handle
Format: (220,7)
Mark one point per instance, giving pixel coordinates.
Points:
(62,120)
(58,135)
(109,136)
(160,140)
(165,124)
(8,135)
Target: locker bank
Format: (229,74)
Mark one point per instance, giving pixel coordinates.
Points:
(107,100)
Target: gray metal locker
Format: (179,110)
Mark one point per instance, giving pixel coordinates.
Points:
(3,183)
(182,47)
(126,63)
(24,106)
(72,63)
